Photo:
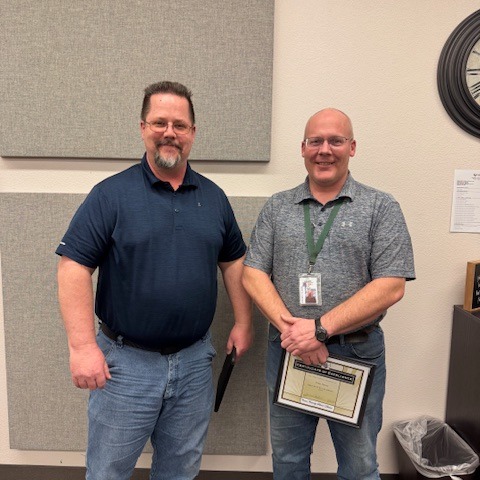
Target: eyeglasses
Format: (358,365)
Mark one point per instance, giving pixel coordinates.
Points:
(160,126)
(334,142)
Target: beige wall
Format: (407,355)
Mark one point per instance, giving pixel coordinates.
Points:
(376,60)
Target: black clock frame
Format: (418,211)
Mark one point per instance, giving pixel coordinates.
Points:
(452,86)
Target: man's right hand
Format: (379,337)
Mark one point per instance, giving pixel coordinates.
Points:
(316,357)
(88,367)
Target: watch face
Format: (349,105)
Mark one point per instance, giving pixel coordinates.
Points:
(320,333)
(472,74)
(321,337)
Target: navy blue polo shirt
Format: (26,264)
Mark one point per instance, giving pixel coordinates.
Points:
(157,252)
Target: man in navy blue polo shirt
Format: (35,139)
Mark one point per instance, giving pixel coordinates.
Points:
(156,232)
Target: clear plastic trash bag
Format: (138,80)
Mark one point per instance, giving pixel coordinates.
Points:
(434,448)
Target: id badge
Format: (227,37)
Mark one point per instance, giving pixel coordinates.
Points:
(310,289)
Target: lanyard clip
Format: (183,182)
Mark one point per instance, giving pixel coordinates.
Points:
(310,267)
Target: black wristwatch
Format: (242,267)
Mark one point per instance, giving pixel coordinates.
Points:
(320,333)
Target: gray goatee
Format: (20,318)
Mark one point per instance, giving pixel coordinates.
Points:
(169,162)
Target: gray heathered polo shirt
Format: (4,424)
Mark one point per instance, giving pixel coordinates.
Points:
(369,239)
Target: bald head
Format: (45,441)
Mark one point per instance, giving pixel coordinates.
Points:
(328,117)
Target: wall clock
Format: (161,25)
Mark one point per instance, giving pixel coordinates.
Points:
(458,75)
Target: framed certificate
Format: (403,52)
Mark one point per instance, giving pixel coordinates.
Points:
(472,287)
(337,390)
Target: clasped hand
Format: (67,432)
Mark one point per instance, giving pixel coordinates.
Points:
(298,338)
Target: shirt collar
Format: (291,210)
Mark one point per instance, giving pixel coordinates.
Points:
(303,192)
(189,180)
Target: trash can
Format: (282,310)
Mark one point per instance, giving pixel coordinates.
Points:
(429,448)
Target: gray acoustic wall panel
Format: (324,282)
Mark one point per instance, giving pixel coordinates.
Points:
(46,412)
(72,74)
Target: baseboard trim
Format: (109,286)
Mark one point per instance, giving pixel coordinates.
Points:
(40,472)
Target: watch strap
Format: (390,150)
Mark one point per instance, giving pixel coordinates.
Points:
(320,333)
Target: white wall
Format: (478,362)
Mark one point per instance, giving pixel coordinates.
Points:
(377,61)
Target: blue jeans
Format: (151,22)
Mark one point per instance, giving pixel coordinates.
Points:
(165,398)
(293,433)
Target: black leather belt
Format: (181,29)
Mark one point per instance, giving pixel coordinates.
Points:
(360,336)
(166,350)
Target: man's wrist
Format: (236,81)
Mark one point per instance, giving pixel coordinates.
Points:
(243,323)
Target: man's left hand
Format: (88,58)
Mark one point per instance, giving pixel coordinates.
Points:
(299,335)
(241,336)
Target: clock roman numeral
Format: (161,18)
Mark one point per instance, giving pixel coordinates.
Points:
(475,90)
(473,71)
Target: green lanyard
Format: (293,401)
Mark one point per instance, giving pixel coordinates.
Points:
(314,249)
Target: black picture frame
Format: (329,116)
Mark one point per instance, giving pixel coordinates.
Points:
(353,374)
(451,82)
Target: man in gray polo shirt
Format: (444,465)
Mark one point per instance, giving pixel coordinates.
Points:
(328,298)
